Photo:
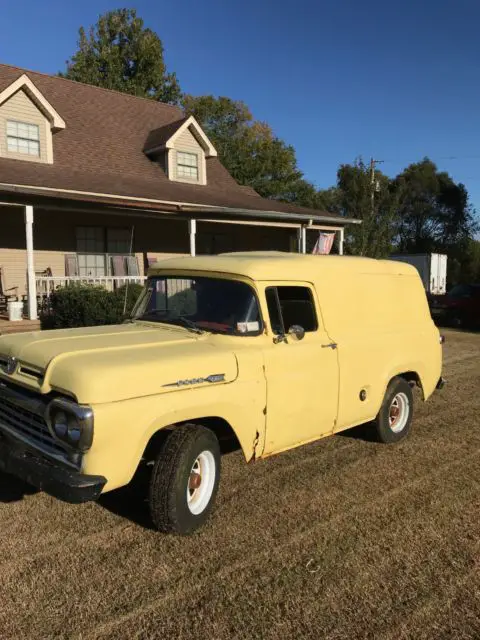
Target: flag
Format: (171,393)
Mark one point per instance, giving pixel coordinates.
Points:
(324,243)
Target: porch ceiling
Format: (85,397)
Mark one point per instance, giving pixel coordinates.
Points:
(105,203)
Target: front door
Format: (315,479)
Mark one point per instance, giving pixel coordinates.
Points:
(302,375)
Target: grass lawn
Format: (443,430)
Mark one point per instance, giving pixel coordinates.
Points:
(341,539)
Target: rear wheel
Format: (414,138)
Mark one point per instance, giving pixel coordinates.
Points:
(393,422)
(185,479)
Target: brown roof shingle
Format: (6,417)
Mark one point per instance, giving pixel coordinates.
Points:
(159,137)
(101,149)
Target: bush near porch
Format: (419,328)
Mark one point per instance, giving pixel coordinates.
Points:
(87,306)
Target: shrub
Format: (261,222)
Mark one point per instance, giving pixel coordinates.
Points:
(183,302)
(86,306)
(133,292)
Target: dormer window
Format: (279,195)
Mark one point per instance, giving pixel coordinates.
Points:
(187,165)
(27,123)
(181,148)
(23,138)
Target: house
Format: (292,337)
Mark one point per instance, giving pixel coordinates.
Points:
(96,184)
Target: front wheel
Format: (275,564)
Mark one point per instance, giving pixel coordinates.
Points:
(393,422)
(185,479)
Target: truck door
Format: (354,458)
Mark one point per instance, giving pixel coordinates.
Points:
(302,374)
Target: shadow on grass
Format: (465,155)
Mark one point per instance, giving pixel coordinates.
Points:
(12,489)
(124,503)
(363,432)
(130,502)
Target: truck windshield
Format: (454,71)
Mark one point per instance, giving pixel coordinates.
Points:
(201,304)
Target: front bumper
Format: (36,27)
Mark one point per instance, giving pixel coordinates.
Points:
(58,481)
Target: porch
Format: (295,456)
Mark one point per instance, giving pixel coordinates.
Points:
(52,245)
(46,284)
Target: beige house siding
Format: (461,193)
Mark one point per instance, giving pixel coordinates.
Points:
(187,142)
(21,109)
(14,266)
(54,235)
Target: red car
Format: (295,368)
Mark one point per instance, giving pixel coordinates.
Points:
(460,307)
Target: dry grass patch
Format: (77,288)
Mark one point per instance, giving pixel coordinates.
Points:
(392,534)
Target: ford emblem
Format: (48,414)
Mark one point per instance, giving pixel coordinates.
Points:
(9,365)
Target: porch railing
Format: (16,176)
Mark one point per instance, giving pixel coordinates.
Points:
(47,284)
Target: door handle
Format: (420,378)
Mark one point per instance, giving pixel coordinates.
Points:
(332,345)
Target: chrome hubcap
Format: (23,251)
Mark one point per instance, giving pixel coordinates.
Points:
(201,482)
(399,412)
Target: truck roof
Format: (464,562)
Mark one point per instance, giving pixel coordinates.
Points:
(278,265)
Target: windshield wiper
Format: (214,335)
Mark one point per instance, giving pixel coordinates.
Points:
(175,320)
(190,324)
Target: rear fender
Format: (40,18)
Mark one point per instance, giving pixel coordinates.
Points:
(414,373)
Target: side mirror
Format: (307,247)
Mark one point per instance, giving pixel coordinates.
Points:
(297,332)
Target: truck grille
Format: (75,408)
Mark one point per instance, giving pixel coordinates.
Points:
(32,426)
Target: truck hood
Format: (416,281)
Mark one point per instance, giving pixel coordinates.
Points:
(112,363)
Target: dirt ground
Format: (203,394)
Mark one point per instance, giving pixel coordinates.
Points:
(341,539)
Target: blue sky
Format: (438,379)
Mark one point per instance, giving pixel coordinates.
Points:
(336,79)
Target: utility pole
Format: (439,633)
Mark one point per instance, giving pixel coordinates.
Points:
(373,163)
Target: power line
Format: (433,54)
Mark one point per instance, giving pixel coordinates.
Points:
(459,158)
(402,160)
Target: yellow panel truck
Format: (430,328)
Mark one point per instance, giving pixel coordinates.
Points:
(257,351)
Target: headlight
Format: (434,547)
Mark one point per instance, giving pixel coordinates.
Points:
(71,423)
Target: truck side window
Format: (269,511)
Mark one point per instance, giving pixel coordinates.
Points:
(291,305)
(273,305)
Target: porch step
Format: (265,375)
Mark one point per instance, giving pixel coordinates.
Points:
(7,327)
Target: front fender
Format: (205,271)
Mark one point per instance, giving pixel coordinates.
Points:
(123,429)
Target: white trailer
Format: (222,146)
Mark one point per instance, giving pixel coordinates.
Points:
(432,268)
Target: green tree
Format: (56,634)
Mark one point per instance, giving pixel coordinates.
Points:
(421,210)
(265,163)
(220,117)
(471,263)
(435,216)
(328,200)
(249,149)
(120,53)
(353,199)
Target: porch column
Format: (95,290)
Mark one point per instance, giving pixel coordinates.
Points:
(31,283)
(341,238)
(302,239)
(192,230)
